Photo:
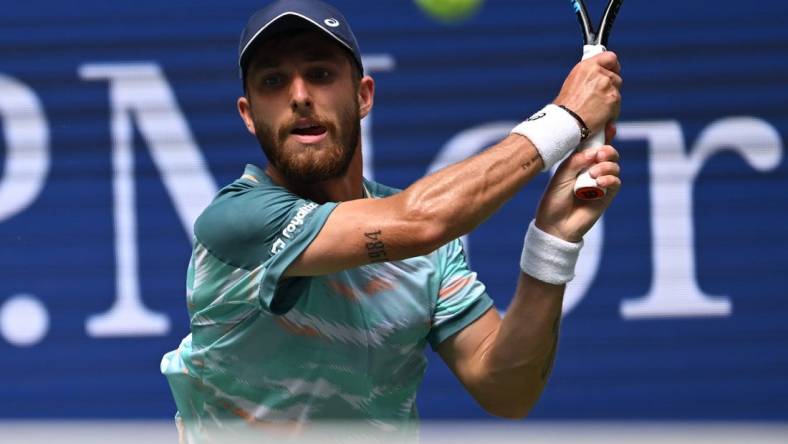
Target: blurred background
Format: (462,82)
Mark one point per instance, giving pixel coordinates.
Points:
(118,124)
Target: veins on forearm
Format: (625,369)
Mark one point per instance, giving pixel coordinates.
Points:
(548,367)
(376,249)
(528,163)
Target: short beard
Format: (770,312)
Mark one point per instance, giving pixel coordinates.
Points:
(309,165)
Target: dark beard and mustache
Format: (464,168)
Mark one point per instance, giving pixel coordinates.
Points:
(309,164)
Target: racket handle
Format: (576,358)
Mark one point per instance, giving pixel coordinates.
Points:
(592,50)
(585,185)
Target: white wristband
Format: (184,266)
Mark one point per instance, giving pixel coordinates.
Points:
(553,131)
(548,258)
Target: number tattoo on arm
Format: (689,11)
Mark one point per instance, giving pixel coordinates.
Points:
(376,249)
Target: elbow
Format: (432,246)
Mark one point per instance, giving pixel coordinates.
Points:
(509,410)
(513,400)
(428,230)
(431,237)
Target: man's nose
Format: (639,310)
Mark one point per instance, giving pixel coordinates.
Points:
(299,94)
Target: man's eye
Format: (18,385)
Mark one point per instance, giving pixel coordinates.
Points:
(320,74)
(272,80)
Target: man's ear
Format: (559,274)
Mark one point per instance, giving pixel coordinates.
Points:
(245,110)
(366,95)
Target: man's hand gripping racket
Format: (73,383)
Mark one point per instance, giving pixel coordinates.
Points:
(595,43)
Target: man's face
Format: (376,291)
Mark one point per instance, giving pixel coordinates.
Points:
(304,106)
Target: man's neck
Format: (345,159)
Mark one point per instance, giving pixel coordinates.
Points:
(348,187)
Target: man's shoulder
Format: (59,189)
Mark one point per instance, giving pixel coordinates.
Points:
(252,184)
(251,192)
(247,210)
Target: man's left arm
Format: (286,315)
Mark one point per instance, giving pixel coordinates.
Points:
(505,363)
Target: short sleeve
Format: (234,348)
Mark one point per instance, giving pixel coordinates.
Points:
(263,228)
(462,298)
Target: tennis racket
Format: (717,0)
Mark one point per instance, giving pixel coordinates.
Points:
(594,42)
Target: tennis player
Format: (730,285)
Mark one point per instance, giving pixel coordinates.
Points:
(313,292)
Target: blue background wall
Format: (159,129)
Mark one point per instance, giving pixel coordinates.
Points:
(685,63)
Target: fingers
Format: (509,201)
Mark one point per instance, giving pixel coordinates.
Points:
(616,80)
(609,61)
(612,183)
(589,158)
(611,69)
(581,160)
(609,180)
(604,153)
(607,170)
(602,165)
(592,90)
(604,169)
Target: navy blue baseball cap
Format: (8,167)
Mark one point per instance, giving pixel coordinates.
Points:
(292,15)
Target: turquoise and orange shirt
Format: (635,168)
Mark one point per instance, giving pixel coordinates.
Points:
(347,345)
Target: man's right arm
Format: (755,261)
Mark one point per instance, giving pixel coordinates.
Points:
(453,201)
(426,215)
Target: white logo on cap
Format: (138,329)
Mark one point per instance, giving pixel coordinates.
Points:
(332,22)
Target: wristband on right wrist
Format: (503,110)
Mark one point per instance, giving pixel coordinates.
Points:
(580,122)
(552,131)
(548,258)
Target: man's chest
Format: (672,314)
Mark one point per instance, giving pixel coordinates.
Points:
(362,331)
(376,306)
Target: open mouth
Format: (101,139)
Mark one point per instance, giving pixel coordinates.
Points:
(309,130)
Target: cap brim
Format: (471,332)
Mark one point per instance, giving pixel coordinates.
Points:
(286,22)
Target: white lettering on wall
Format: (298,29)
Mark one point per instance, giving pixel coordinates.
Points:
(674,288)
(372,63)
(140,95)
(24,320)
(26,134)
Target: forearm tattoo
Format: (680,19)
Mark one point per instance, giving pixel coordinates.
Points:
(530,162)
(551,357)
(376,249)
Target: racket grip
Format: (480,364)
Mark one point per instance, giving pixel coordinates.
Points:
(585,185)
(592,50)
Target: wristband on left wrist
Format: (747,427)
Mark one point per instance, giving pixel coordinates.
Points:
(549,258)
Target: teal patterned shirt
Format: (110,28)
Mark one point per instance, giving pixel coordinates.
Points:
(271,352)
